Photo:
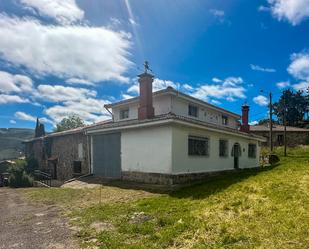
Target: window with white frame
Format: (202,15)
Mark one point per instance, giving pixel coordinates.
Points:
(252,150)
(223,148)
(192,110)
(124,113)
(198,146)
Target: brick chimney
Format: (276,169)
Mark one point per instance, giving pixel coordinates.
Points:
(145,109)
(245,127)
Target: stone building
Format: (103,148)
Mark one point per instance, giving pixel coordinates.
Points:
(294,135)
(63,154)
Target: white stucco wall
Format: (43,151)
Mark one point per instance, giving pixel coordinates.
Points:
(183,163)
(180,107)
(161,104)
(147,150)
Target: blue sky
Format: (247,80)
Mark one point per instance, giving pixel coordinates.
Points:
(59,57)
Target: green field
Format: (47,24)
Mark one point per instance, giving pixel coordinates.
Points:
(264,208)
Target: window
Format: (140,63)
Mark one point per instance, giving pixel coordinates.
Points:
(80,151)
(193,110)
(252,150)
(124,113)
(280,139)
(77,167)
(225,120)
(223,148)
(198,146)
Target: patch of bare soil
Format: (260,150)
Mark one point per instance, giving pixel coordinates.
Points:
(26,225)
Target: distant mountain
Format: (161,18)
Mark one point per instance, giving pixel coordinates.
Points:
(11,146)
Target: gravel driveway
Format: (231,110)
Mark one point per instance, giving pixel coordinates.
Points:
(25,225)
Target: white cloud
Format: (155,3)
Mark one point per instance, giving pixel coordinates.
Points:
(28,117)
(157,85)
(302,86)
(63,11)
(187,87)
(24,116)
(216,80)
(261,100)
(299,68)
(90,53)
(294,11)
(12,121)
(217,13)
(253,122)
(262,69)
(89,110)
(10,99)
(230,89)
(215,102)
(76,81)
(14,83)
(264,8)
(127,96)
(59,93)
(71,100)
(283,84)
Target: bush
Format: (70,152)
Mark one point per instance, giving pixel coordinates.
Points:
(18,176)
(31,165)
(273,159)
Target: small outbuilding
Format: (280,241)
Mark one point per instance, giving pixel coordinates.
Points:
(294,135)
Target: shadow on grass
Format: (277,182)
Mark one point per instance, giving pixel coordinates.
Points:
(218,183)
(194,190)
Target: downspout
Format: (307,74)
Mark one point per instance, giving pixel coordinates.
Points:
(89,154)
(109,112)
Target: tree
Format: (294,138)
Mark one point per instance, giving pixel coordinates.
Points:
(71,122)
(295,103)
(265,121)
(39,129)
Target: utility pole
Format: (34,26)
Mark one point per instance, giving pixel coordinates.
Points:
(270,122)
(284,120)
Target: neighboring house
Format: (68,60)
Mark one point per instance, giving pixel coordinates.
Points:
(294,135)
(165,137)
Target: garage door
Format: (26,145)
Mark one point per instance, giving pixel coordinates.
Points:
(106,155)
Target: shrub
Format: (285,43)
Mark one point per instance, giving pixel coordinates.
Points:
(18,176)
(273,159)
(31,165)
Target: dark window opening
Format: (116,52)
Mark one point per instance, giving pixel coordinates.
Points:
(252,150)
(225,120)
(280,140)
(198,146)
(77,167)
(223,148)
(193,111)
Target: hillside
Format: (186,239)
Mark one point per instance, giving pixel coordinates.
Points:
(11,142)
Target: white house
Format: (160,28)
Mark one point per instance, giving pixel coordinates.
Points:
(169,137)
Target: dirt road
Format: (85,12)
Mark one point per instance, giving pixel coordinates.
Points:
(25,225)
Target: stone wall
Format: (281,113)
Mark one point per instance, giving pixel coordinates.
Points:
(62,151)
(65,148)
(170,179)
(294,138)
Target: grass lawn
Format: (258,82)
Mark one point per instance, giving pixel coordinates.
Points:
(264,208)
